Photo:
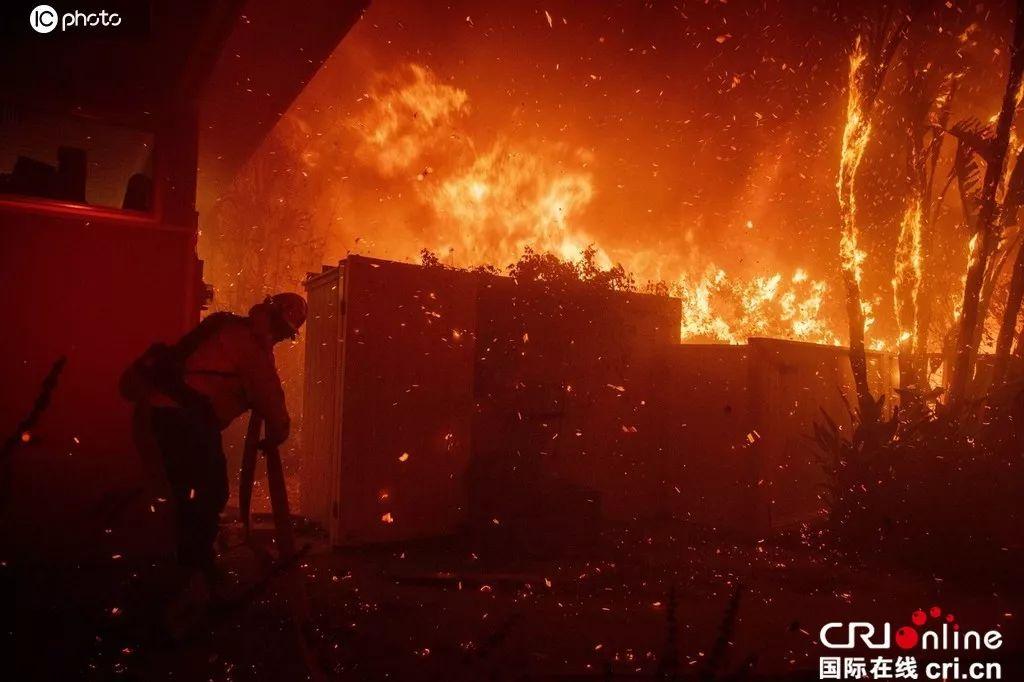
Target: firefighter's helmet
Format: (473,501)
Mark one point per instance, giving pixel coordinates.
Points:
(290,309)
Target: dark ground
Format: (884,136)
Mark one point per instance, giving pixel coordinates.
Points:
(496,608)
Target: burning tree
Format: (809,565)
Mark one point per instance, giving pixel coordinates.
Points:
(986,215)
(1013,198)
(927,117)
(869,62)
(987,228)
(894,471)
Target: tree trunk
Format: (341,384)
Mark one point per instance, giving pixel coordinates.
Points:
(858,355)
(967,345)
(908,261)
(1012,199)
(926,295)
(906,280)
(906,285)
(1008,327)
(868,67)
(991,281)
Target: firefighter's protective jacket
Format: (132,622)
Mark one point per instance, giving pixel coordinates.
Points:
(234,368)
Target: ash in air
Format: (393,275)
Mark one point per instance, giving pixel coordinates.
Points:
(393,340)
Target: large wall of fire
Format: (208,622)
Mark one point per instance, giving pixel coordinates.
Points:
(696,143)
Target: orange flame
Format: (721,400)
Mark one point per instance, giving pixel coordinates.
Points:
(410,114)
(855,140)
(907,279)
(490,205)
(488,202)
(716,308)
(509,199)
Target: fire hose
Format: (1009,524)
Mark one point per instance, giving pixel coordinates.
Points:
(294,589)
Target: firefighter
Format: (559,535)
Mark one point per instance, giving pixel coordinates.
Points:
(186,394)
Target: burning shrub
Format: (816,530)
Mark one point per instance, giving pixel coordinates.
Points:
(546,267)
(718,308)
(556,272)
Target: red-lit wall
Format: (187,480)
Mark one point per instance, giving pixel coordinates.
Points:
(98,287)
